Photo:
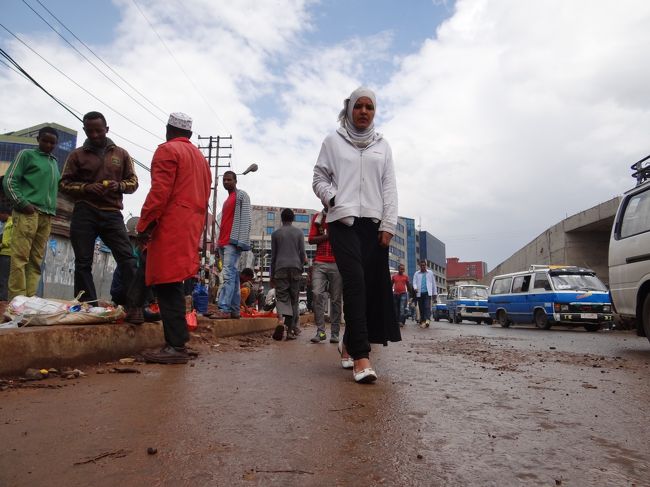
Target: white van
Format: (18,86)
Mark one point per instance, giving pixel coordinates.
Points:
(629,252)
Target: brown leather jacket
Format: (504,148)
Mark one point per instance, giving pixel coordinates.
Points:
(86,165)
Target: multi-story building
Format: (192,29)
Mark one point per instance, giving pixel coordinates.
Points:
(433,251)
(13,142)
(465,271)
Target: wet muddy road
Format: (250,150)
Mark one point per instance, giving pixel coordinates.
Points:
(454,405)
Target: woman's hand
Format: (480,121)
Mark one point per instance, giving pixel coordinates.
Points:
(384,238)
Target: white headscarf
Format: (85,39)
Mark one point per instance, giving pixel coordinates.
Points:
(360,138)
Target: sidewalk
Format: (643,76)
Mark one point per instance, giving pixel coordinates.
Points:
(57,346)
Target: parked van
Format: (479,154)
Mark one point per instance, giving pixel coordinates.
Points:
(439,308)
(468,302)
(548,295)
(629,252)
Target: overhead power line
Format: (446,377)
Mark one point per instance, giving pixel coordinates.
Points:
(75,113)
(111,80)
(162,41)
(78,85)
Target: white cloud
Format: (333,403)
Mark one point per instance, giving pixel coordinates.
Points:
(515,115)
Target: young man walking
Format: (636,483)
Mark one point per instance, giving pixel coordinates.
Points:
(400,294)
(287,260)
(96,176)
(424,285)
(171,221)
(31,183)
(325,280)
(234,238)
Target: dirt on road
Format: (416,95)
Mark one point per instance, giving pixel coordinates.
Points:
(454,405)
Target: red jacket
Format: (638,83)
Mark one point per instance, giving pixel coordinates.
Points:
(176,203)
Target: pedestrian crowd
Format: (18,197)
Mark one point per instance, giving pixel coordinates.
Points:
(353,177)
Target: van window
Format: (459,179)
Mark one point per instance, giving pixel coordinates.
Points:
(541,281)
(501,286)
(520,284)
(636,218)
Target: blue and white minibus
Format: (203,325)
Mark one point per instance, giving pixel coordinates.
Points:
(468,302)
(550,295)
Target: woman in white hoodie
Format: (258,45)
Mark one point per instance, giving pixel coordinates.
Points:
(355,179)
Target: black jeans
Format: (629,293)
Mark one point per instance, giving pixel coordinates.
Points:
(86,225)
(171,299)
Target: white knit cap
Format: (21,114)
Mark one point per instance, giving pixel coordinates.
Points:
(180,120)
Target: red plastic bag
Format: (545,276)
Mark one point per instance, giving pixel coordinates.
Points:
(190,318)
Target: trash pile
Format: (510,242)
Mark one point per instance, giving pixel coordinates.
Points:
(35,311)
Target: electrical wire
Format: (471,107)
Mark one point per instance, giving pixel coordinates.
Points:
(91,63)
(164,112)
(19,69)
(207,102)
(78,85)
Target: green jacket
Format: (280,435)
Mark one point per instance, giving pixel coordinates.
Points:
(33,178)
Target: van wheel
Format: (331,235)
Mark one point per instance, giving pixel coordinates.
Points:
(646,316)
(503,319)
(593,327)
(541,320)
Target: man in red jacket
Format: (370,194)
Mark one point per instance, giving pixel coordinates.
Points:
(172,220)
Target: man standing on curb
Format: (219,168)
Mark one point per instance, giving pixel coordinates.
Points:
(96,176)
(400,294)
(287,260)
(31,183)
(325,275)
(171,221)
(425,287)
(234,238)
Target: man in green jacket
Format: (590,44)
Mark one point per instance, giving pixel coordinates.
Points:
(31,183)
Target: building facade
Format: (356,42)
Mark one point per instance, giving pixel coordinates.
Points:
(465,271)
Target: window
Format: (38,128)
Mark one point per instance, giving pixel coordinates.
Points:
(270,215)
(541,281)
(501,286)
(305,231)
(302,219)
(269,230)
(636,218)
(520,284)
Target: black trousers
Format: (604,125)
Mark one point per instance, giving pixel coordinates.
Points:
(367,290)
(171,299)
(86,225)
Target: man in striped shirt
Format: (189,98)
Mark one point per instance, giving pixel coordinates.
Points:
(234,238)
(325,280)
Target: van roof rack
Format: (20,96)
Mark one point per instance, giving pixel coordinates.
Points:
(641,170)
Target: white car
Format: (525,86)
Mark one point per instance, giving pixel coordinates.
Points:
(629,253)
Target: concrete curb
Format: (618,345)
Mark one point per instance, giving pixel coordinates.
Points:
(60,345)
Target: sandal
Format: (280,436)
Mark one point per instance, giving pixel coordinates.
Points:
(346,362)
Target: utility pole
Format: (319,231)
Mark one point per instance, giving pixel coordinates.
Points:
(215,149)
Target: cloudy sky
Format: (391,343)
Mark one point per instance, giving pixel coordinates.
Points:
(504,116)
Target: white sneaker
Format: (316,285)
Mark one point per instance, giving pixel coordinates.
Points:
(346,362)
(366,376)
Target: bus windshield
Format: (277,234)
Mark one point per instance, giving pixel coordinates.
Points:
(577,282)
(473,293)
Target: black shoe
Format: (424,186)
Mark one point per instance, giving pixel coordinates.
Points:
(167,355)
(278,334)
(135,316)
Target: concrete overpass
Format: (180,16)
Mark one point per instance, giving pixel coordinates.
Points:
(581,239)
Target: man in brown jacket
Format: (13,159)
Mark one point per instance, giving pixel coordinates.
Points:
(96,176)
